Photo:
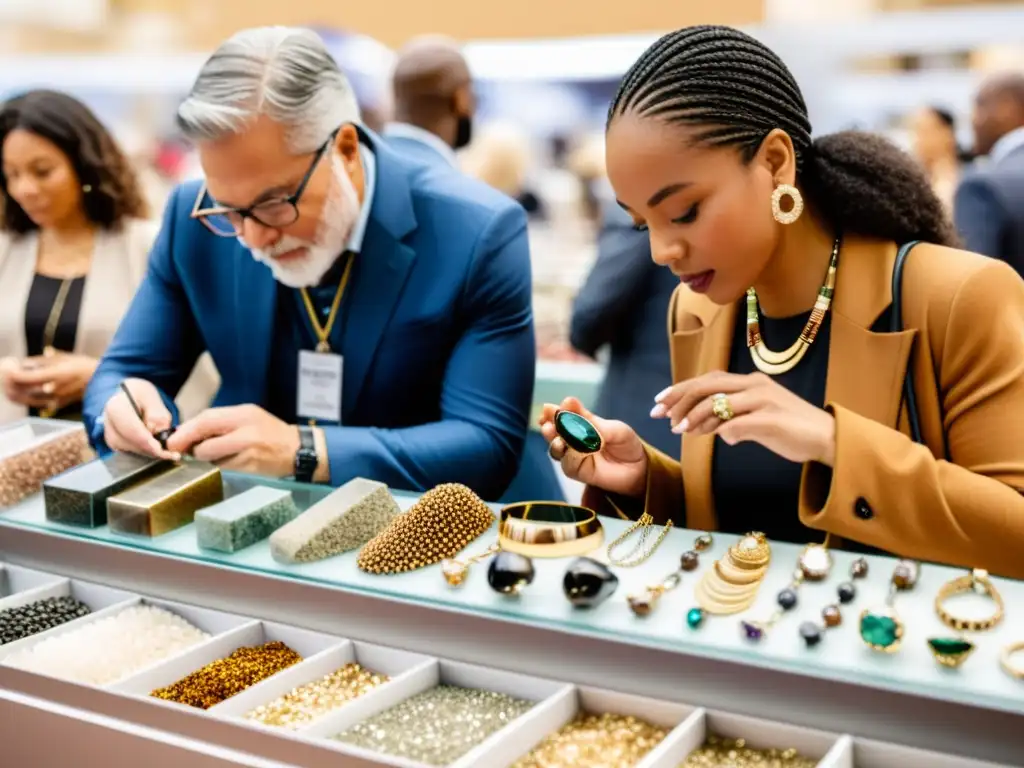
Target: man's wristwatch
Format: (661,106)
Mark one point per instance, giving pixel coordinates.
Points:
(306,460)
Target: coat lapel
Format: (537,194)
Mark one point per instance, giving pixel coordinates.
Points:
(380,272)
(866,369)
(256,302)
(696,351)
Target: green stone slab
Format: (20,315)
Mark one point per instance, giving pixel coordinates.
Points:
(243,520)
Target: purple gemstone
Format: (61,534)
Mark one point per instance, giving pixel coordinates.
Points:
(753,631)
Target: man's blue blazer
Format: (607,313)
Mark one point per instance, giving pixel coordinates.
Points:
(438,343)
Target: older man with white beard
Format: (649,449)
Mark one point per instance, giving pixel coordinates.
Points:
(368,318)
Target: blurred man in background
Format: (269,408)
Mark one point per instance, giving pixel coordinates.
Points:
(433,101)
(989,206)
(623,304)
(369,318)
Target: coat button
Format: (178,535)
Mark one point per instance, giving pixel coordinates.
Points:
(863,510)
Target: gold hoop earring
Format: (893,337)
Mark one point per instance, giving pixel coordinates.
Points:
(787,217)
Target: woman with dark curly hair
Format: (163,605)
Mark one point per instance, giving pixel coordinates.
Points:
(814,392)
(74,240)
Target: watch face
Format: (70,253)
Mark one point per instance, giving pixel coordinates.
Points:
(305,463)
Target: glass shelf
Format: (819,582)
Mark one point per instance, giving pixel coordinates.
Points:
(841,656)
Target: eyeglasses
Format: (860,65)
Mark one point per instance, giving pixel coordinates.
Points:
(274,213)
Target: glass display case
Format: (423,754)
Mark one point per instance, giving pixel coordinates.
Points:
(838,702)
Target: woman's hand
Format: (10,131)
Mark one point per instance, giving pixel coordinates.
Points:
(619,467)
(49,381)
(764,412)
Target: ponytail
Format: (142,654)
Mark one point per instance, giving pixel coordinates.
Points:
(863,184)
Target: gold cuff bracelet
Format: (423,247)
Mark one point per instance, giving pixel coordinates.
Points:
(549,529)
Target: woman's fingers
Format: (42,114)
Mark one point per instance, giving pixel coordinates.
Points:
(685,396)
(702,419)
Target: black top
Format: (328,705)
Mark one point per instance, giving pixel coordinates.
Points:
(755,489)
(41,299)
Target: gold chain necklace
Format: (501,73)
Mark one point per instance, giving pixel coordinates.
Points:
(50,332)
(636,555)
(775,363)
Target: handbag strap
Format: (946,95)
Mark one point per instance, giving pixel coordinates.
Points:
(895,326)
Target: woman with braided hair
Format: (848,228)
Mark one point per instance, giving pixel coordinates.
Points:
(790,348)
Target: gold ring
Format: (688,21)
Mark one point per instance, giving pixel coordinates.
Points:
(976,581)
(721,407)
(1004,660)
(549,529)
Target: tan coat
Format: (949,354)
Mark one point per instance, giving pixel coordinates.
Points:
(118,266)
(964,316)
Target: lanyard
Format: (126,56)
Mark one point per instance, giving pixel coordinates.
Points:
(323,332)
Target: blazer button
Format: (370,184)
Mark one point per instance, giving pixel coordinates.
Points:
(862,509)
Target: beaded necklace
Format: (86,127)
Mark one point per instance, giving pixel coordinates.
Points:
(775,363)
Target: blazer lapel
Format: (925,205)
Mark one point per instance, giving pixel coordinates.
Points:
(256,302)
(866,369)
(380,272)
(695,352)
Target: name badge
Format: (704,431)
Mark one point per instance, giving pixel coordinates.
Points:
(319,390)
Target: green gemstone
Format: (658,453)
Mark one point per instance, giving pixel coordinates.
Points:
(694,617)
(950,646)
(878,630)
(578,433)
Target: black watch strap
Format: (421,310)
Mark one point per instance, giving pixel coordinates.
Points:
(306,460)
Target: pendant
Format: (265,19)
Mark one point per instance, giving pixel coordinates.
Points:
(881,630)
(455,570)
(323,347)
(815,562)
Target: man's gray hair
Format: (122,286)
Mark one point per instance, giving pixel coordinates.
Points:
(285,73)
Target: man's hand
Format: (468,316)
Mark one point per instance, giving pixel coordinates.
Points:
(243,438)
(122,430)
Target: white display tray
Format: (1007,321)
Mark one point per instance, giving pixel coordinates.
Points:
(104,601)
(17,585)
(557,702)
(387,661)
(307,644)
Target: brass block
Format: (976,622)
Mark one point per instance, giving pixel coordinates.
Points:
(166,502)
(79,497)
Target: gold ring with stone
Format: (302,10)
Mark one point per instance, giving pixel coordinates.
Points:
(976,581)
(721,407)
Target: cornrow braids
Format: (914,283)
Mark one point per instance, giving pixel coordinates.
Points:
(733,91)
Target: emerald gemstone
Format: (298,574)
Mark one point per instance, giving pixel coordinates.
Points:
(694,618)
(578,433)
(878,630)
(950,646)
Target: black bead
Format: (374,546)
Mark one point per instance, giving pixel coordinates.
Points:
(689,561)
(847,592)
(509,572)
(588,583)
(811,633)
(787,599)
(163,436)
